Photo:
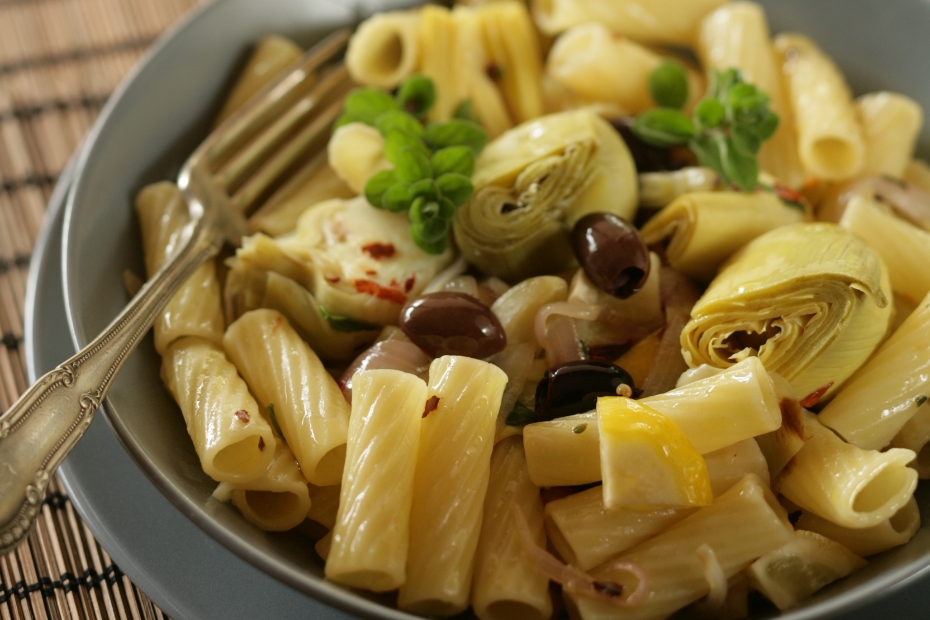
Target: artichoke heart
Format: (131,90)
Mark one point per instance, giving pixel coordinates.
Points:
(812,301)
(533,183)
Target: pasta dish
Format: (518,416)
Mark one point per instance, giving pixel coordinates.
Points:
(606,308)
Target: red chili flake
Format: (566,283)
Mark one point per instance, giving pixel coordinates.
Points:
(431,404)
(277,322)
(243,416)
(814,397)
(409,282)
(332,279)
(381,292)
(371,272)
(261,444)
(811,183)
(379,251)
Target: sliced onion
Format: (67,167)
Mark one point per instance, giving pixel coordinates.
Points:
(516,361)
(576,581)
(560,338)
(677,290)
(439,281)
(711,605)
(490,289)
(462,284)
(389,355)
(668,364)
(907,201)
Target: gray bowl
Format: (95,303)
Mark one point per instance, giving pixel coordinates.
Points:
(163,110)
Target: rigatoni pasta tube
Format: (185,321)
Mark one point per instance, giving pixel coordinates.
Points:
(656,21)
(704,229)
(792,573)
(513,50)
(195,309)
(288,379)
(507,584)
(830,140)
(890,124)
(324,504)
(451,479)
(232,439)
(564,451)
(439,59)
(369,545)
(849,486)
(737,36)
(915,436)
(385,50)
(812,301)
(867,541)
(279,499)
(271,56)
(587,534)
(742,525)
(884,394)
(904,248)
(599,66)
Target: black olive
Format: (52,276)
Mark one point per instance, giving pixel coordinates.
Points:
(452,324)
(574,387)
(612,254)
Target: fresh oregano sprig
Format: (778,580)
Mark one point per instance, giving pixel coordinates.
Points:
(433,162)
(726,130)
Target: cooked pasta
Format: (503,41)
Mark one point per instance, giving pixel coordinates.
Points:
(890,124)
(513,52)
(385,49)
(271,56)
(292,384)
(894,531)
(516,309)
(915,436)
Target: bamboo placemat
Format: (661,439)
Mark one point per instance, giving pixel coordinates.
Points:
(59,61)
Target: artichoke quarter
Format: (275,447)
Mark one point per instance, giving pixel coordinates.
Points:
(533,183)
(812,301)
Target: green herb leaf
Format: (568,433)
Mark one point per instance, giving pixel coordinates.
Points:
(456,133)
(520,415)
(458,159)
(739,167)
(411,165)
(664,127)
(426,188)
(365,105)
(920,400)
(709,113)
(668,85)
(417,95)
(344,323)
(395,119)
(585,349)
(274,422)
(379,183)
(466,112)
(456,187)
(396,140)
(397,198)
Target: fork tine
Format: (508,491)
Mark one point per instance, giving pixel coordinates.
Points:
(334,87)
(271,102)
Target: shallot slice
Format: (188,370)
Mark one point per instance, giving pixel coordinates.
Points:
(560,339)
(576,581)
(387,354)
(907,201)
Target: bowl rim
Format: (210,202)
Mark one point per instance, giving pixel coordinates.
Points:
(885,584)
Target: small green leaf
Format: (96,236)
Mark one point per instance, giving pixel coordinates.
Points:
(430,219)
(456,133)
(426,188)
(920,400)
(466,112)
(411,165)
(365,105)
(707,152)
(430,247)
(395,119)
(459,159)
(456,187)
(520,415)
(343,324)
(668,85)
(585,349)
(396,140)
(377,185)
(721,82)
(738,167)
(745,141)
(274,422)
(663,127)
(709,113)
(397,198)
(417,95)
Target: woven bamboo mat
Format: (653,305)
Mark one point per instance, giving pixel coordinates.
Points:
(59,61)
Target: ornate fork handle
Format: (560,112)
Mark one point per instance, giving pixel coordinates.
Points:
(42,427)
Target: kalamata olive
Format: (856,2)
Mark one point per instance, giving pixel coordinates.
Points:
(449,323)
(611,253)
(574,387)
(648,158)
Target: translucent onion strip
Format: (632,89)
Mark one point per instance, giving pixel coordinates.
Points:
(387,355)
(560,340)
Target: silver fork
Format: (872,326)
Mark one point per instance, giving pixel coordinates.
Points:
(259,152)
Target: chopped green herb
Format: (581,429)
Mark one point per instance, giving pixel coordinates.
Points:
(668,85)
(920,400)
(466,112)
(520,415)
(344,323)
(417,95)
(274,422)
(579,428)
(726,132)
(585,349)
